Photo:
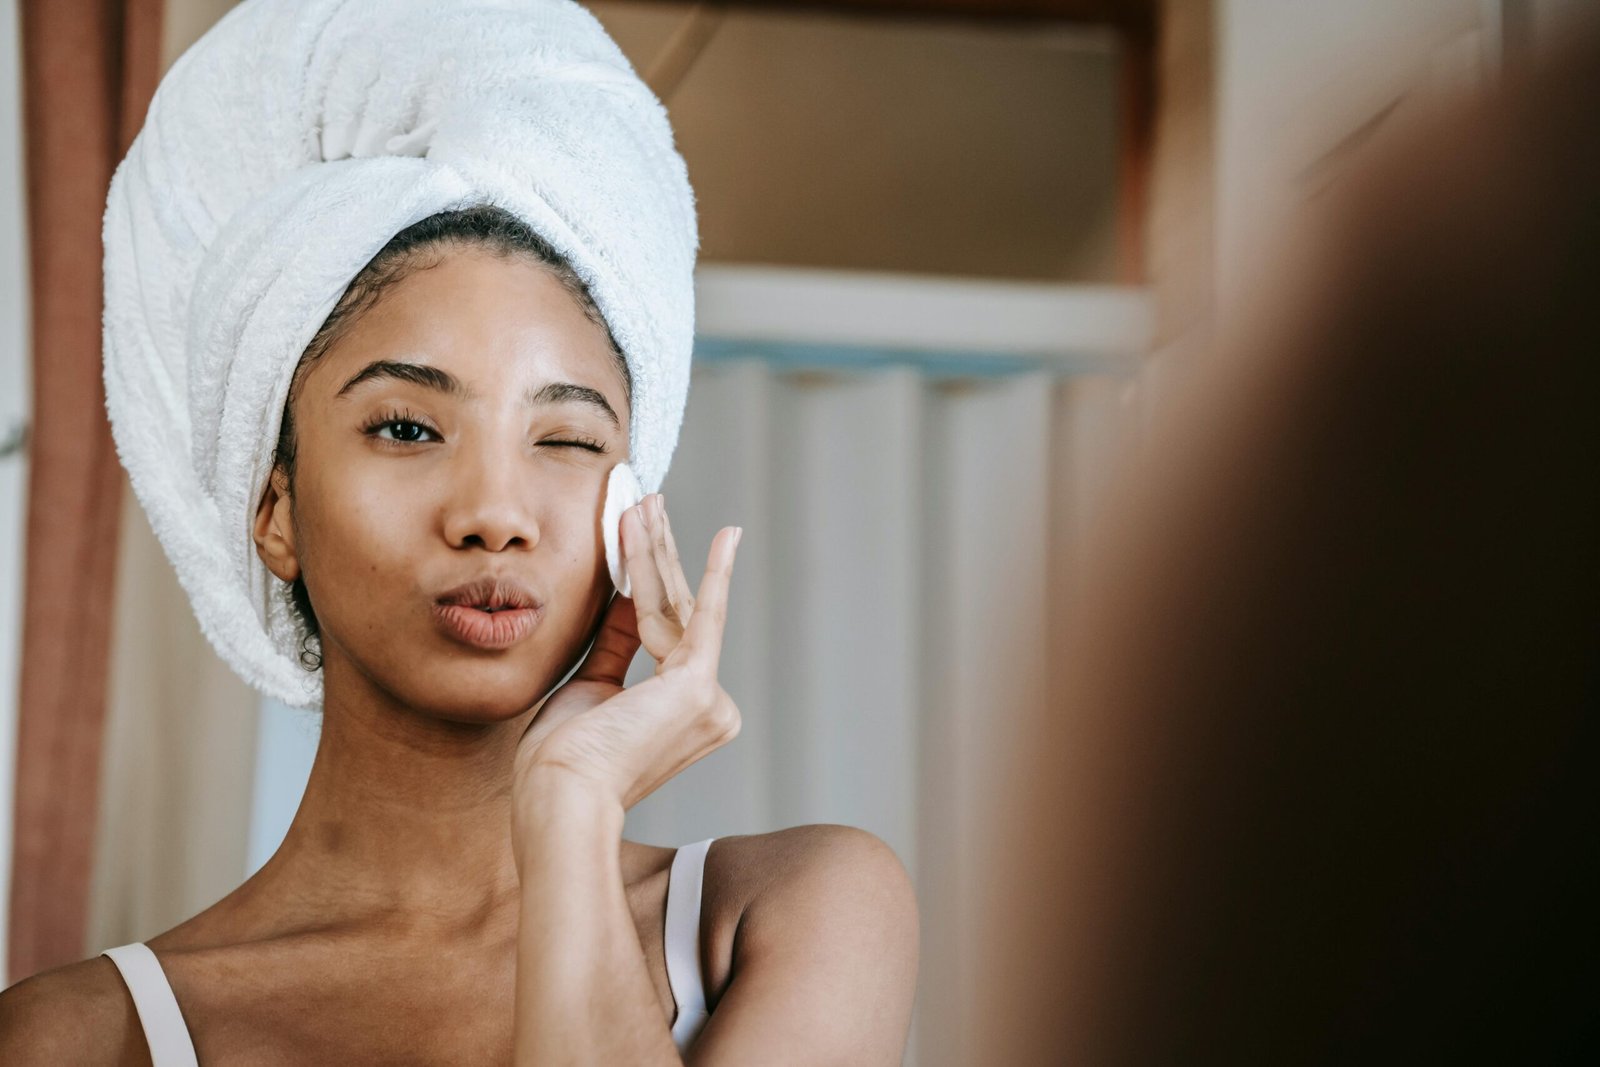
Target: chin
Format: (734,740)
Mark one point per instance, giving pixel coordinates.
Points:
(443,680)
(477,707)
(482,692)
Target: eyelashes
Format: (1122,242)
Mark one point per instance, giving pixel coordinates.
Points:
(396,418)
(406,424)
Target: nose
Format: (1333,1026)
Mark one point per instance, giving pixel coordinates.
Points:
(491,503)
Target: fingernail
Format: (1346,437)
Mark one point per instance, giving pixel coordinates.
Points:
(738,535)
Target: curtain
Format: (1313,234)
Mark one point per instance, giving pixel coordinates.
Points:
(14,405)
(180,730)
(890,615)
(88,73)
(178,759)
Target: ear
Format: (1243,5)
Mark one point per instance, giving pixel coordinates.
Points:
(273,529)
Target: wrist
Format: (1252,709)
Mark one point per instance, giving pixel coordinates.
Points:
(552,800)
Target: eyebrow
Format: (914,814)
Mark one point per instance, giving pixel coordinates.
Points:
(443,381)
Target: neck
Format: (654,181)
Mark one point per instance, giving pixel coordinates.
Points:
(405,821)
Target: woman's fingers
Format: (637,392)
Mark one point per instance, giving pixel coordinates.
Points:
(666,551)
(614,646)
(667,612)
(702,640)
(659,629)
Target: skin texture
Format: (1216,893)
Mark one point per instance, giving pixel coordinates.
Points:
(454,883)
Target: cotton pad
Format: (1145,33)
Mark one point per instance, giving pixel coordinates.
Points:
(623,491)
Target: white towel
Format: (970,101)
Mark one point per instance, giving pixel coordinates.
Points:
(279,154)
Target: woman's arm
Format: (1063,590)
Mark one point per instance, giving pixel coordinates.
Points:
(825,961)
(583,995)
(592,751)
(825,958)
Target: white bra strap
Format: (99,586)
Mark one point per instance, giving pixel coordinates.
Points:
(683,930)
(164,1028)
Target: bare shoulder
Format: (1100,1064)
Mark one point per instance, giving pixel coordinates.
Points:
(823,873)
(828,856)
(78,1013)
(825,953)
(769,871)
(769,889)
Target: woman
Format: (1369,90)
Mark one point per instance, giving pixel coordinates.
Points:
(454,887)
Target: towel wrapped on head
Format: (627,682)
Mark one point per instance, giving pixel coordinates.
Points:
(279,154)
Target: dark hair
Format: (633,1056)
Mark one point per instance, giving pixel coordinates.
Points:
(417,247)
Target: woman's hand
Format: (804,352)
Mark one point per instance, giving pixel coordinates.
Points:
(624,743)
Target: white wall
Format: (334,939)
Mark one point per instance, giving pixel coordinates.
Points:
(286,746)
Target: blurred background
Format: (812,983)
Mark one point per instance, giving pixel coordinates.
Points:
(951,249)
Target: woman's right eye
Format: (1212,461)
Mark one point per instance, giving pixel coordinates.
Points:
(404,430)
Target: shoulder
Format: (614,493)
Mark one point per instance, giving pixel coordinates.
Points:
(825,952)
(79,1013)
(821,880)
(827,860)
(758,876)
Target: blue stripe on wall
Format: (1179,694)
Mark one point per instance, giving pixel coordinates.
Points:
(938,364)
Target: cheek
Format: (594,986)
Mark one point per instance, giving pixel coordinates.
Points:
(369,525)
(571,563)
(359,545)
(369,547)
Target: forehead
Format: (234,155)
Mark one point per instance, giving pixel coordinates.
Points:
(496,322)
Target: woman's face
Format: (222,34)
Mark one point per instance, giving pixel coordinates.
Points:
(484,454)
